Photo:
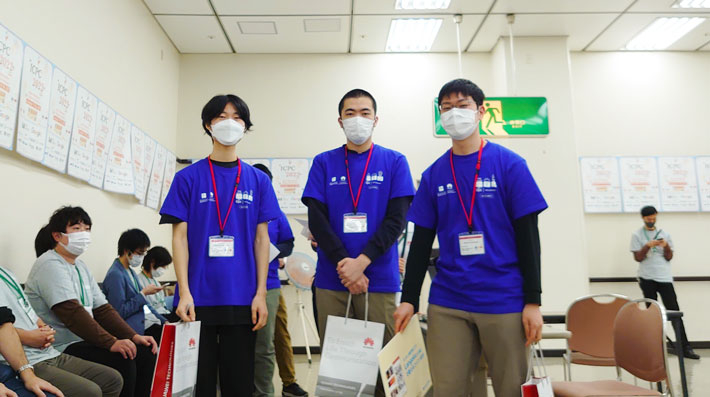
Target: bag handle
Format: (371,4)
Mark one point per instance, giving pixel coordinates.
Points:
(367,307)
(536,361)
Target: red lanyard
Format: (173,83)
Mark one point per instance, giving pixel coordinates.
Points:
(356,200)
(216,196)
(469,217)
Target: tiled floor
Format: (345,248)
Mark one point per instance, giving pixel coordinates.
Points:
(698,373)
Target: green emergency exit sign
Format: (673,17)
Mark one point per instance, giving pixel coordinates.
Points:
(507,116)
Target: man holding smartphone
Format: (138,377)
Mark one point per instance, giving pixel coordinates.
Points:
(653,249)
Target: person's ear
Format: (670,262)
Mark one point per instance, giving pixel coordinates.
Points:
(340,121)
(56,236)
(375,123)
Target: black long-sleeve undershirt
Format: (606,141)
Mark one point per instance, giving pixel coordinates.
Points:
(527,241)
(6,315)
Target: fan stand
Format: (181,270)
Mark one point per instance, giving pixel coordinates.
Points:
(305,318)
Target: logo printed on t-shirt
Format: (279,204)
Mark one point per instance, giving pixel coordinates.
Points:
(244,198)
(487,186)
(342,180)
(204,199)
(445,189)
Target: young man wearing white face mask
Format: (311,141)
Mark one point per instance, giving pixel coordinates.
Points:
(485,297)
(66,296)
(123,289)
(357,197)
(220,208)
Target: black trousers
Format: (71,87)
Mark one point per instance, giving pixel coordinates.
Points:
(228,349)
(651,289)
(137,374)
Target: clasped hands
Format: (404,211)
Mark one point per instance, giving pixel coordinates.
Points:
(351,273)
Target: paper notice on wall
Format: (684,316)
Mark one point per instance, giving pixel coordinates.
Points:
(11,56)
(679,185)
(104,128)
(702,164)
(119,167)
(170,161)
(639,183)
(61,120)
(81,148)
(600,184)
(156,177)
(33,114)
(290,176)
(148,156)
(137,152)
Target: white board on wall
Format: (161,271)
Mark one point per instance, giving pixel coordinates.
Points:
(81,148)
(639,183)
(105,120)
(702,165)
(679,184)
(33,113)
(118,177)
(61,120)
(600,184)
(10,73)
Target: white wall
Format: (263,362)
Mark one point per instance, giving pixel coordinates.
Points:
(117,51)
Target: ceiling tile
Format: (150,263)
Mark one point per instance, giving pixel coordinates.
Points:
(180,7)
(281,7)
(663,7)
(370,32)
(387,7)
(291,36)
(580,29)
(559,6)
(322,25)
(194,34)
(256,27)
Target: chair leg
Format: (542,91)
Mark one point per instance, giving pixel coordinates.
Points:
(566,367)
(618,373)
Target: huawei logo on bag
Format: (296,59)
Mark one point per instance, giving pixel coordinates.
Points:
(191,344)
(369,342)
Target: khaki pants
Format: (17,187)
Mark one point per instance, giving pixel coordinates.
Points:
(264,349)
(80,378)
(455,341)
(282,345)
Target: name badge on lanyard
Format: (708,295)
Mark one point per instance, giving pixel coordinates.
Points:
(471,244)
(83,295)
(21,298)
(223,246)
(356,222)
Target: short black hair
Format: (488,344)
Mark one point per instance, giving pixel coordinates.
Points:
(131,240)
(216,106)
(44,241)
(648,210)
(465,87)
(158,255)
(264,169)
(356,93)
(64,217)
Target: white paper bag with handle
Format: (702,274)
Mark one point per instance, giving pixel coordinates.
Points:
(537,384)
(348,365)
(175,372)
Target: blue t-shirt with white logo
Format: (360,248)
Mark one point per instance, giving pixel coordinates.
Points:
(279,231)
(505,191)
(221,281)
(387,177)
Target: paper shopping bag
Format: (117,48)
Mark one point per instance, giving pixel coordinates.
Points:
(537,384)
(175,372)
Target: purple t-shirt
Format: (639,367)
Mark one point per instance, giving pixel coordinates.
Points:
(279,231)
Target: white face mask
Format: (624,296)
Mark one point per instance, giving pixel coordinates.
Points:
(228,132)
(358,129)
(136,260)
(459,123)
(78,242)
(158,272)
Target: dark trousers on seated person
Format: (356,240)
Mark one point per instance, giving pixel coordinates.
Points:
(156,331)
(228,349)
(651,289)
(9,378)
(137,374)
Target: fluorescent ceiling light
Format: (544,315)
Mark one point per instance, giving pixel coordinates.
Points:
(692,4)
(412,35)
(663,32)
(422,4)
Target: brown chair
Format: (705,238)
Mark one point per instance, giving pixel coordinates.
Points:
(591,322)
(638,341)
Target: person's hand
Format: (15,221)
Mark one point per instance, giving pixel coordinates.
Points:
(38,385)
(125,347)
(40,338)
(663,243)
(282,263)
(351,269)
(259,312)
(41,323)
(653,243)
(5,392)
(146,340)
(151,289)
(186,308)
(402,263)
(402,315)
(532,322)
(360,286)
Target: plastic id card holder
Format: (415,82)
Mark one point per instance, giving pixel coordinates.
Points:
(28,310)
(355,223)
(471,244)
(221,246)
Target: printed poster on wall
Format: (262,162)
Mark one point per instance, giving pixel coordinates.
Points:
(168,176)
(702,164)
(679,186)
(119,167)
(104,127)
(148,156)
(639,183)
(81,148)
(61,120)
(137,150)
(290,176)
(156,177)
(11,55)
(33,114)
(600,184)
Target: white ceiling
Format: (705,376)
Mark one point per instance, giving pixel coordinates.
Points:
(361,26)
